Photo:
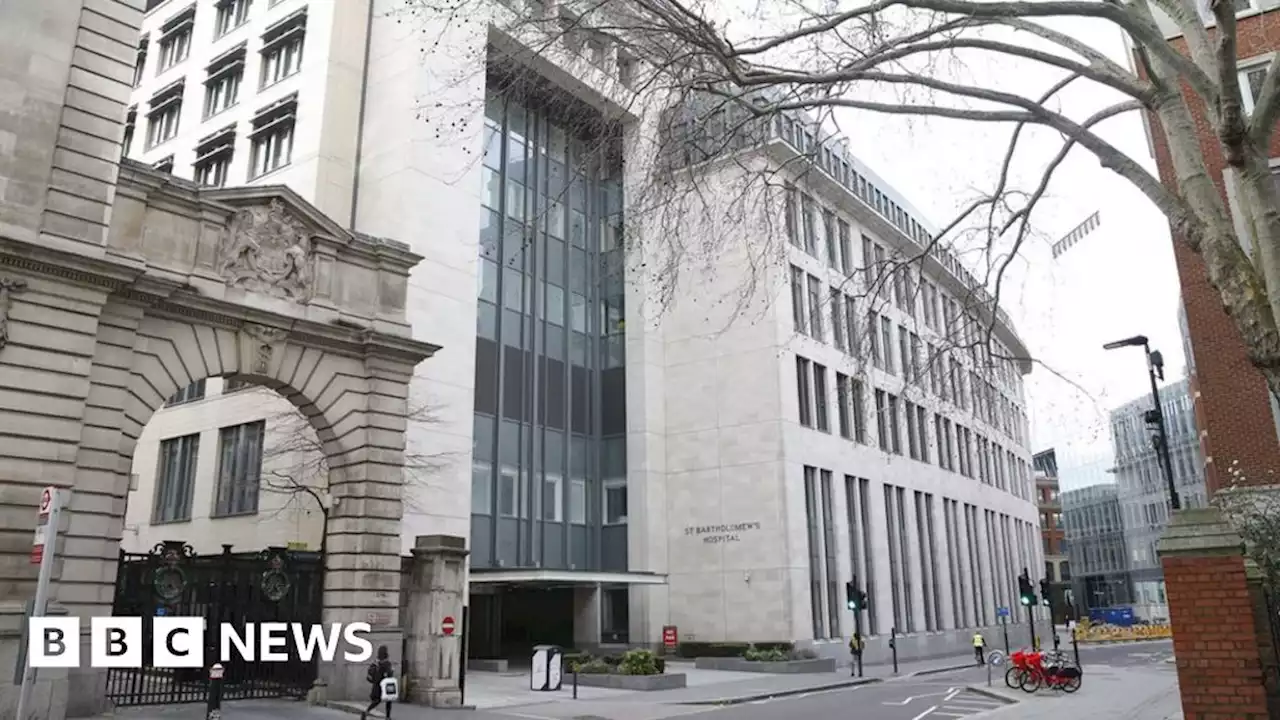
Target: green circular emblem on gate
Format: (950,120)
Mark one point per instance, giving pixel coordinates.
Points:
(275,583)
(168,583)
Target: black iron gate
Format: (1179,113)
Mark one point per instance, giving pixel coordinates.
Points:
(273,585)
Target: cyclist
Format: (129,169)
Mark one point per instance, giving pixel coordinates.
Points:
(979,645)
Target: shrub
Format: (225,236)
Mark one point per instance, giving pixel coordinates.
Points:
(595,667)
(725,649)
(638,662)
(773,654)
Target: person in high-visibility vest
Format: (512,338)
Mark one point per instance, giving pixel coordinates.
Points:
(979,644)
(855,650)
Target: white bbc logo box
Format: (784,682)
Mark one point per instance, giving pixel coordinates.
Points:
(179,642)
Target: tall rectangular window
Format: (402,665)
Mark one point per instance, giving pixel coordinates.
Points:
(852,337)
(164,114)
(949,530)
(809,219)
(913,449)
(282,48)
(868,557)
(829,233)
(842,405)
(797,300)
(882,420)
(837,318)
(904,353)
(895,567)
(272,136)
(175,479)
(803,397)
(877,352)
(895,423)
(829,545)
(230,14)
(915,359)
(222,82)
(820,398)
(883,275)
(811,499)
(239,469)
(922,427)
(886,341)
(904,546)
(857,403)
(791,219)
(175,39)
(846,248)
(815,308)
(213,157)
(140,61)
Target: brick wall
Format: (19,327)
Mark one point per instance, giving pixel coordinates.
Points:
(1219,670)
(1232,406)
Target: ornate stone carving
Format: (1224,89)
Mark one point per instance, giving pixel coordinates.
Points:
(8,288)
(267,337)
(266,249)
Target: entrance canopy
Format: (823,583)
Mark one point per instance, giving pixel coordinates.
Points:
(540,576)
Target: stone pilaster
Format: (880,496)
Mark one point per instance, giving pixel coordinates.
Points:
(1211,610)
(437,586)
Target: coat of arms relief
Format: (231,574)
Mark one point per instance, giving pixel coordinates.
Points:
(268,250)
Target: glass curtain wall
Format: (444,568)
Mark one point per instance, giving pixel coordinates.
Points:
(549,453)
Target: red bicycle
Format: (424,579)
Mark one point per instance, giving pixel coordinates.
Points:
(1051,670)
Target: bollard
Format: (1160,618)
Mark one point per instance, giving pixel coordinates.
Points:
(893,646)
(213,710)
(1075,648)
(575,683)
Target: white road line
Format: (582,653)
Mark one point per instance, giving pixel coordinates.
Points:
(956,704)
(952,693)
(926,712)
(941,713)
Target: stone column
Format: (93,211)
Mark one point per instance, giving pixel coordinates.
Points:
(437,586)
(586,617)
(1212,615)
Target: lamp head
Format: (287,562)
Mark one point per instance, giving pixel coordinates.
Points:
(1135,341)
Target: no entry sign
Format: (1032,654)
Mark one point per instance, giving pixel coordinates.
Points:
(446,625)
(670,637)
(46,500)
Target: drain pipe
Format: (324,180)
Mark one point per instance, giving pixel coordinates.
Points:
(364,101)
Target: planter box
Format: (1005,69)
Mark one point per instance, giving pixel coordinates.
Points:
(785,667)
(630,682)
(487,665)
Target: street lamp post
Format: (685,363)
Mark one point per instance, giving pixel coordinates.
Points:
(1155,366)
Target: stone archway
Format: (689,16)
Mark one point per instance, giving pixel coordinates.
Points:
(194,283)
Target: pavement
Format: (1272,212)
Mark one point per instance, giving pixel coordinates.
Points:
(1121,682)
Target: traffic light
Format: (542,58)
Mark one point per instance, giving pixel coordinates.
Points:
(1044,591)
(854,599)
(1027,593)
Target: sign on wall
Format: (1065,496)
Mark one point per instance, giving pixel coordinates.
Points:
(713,534)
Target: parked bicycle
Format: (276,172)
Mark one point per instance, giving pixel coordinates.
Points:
(1049,669)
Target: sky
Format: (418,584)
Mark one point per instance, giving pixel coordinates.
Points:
(1115,282)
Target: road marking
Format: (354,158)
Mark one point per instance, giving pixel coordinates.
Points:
(915,697)
(926,712)
(951,693)
(940,713)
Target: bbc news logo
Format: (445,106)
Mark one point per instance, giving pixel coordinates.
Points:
(180,642)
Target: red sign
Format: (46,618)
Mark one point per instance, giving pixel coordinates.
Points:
(46,500)
(670,637)
(37,547)
(446,625)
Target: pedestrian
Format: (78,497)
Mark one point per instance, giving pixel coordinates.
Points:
(855,650)
(382,683)
(979,645)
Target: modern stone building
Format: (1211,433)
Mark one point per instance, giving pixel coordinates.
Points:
(1144,492)
(625,448)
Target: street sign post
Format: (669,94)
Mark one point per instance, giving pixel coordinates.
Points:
(1002,612)
(446,625)
(48,513)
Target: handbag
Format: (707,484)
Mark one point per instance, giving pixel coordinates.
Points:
(390,689)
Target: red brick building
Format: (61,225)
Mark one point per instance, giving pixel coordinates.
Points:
(1233,407)
(1220,615)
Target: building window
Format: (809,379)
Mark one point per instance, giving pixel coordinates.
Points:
(820,397)
(804,398)
(626,69)
(282,48)
(843,392)
(846,248)
(140,61)
(222,85)
(811,499)
(235,385)
(829,233)
(164,165)
(239,469)
(797,300)
(829,545)
(809,220)
(213,157)
(815,308)
(922,428)
(882,420)
(175,479)
(615,502)
(615,615)
(895,438)
(877,351)
(130,122)
(272,137)
(162,119)
(837,317)
(231,14)
(791,220)
(175,39)
(886,344)
(190,393)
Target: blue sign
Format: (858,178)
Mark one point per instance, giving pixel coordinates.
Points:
(161,612)
(1002,612)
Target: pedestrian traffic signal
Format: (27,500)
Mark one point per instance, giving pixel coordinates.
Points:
(1044,592)
(1025,591)
(854,598)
